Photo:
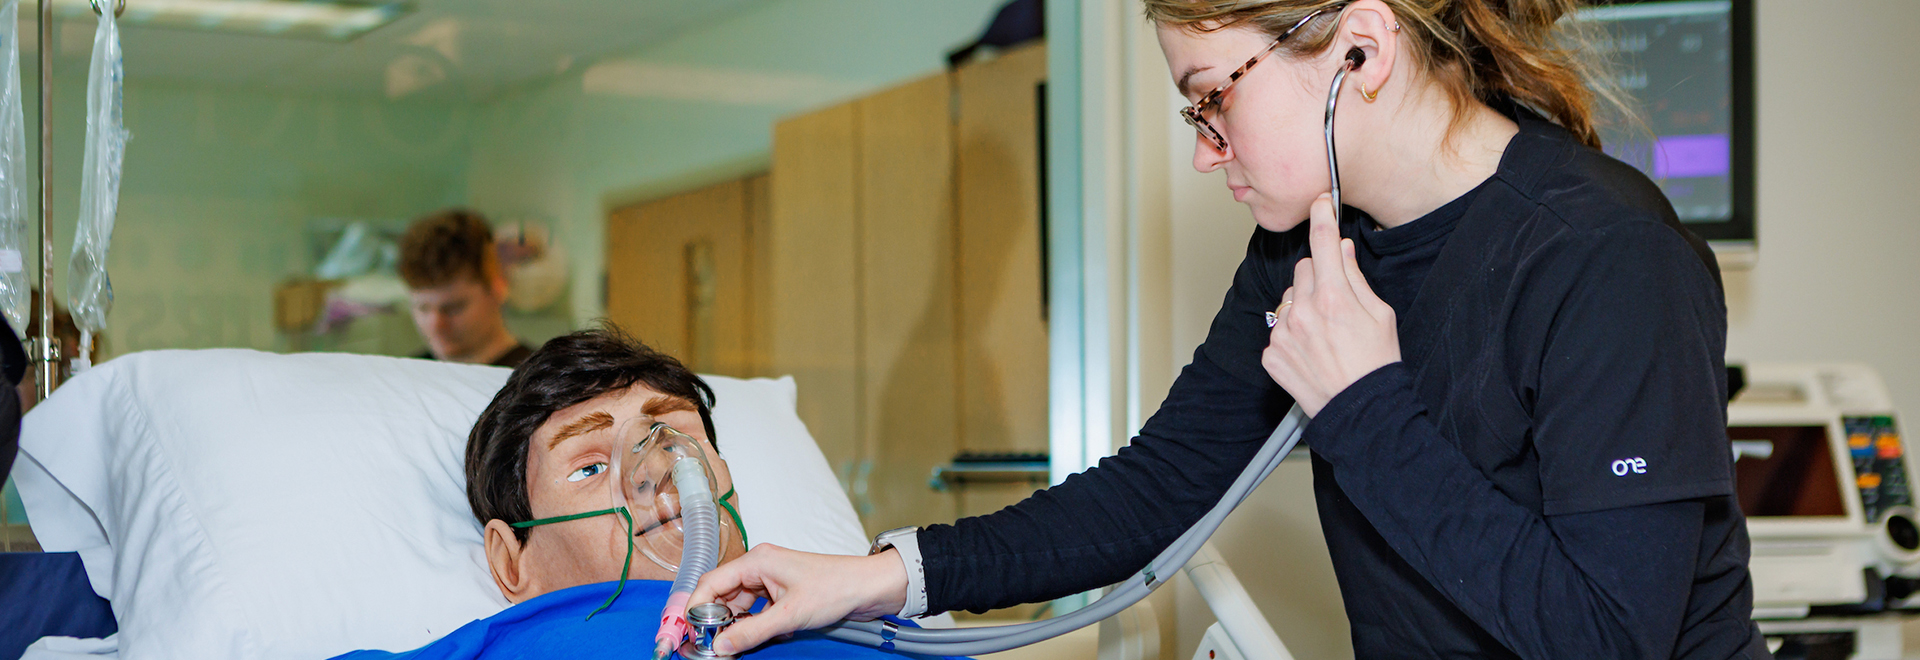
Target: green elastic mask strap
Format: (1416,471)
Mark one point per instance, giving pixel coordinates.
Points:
(561,519)
(626,519)
(624,566)
(736,518)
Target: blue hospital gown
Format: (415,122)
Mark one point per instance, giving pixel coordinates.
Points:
(555,625)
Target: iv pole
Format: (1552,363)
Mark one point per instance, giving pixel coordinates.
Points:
(45,352)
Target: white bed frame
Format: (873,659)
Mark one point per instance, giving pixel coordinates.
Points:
(1241,632)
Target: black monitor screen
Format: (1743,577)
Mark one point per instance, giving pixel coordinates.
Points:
(1786,471)
(1684,68)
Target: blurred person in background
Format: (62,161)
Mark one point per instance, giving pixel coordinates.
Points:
(456,289)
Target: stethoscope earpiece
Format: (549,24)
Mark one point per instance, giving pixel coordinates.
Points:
(1355,58)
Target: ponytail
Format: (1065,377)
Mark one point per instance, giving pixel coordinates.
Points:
(1510,48)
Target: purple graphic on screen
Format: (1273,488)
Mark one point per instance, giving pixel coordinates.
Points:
(1692,155)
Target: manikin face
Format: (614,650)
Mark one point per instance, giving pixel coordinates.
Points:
(1272,119)
(568,473)
(459,318)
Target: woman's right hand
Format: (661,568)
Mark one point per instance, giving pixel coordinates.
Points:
(806,591)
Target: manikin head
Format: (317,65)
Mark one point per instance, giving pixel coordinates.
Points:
(542,449)
(456,286)
(1426,74)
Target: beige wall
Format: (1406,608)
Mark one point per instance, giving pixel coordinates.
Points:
(1839,262)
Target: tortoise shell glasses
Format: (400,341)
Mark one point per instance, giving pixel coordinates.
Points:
(1196,114)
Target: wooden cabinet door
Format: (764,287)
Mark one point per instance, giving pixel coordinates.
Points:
(813,313)
(907,264)
(681,276)
(1002,319)
(903,283)
(1002,323)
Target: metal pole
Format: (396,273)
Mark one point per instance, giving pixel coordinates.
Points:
(49,354)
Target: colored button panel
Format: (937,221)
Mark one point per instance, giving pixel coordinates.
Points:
(1888,446)
(1860,444)
(1879,463)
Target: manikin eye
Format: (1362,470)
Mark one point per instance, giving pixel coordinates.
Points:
(588,471)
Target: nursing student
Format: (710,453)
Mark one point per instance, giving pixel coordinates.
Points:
(1510,348)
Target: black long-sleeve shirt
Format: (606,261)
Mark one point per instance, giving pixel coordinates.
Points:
(1544,475)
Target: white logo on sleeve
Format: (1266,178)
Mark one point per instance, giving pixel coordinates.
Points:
(1635,465)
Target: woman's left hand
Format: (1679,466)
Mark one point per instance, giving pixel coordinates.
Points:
(1330,330)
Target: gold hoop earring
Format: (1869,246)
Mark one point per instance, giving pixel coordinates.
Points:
(1365,95)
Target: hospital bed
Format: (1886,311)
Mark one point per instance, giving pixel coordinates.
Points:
(237,504)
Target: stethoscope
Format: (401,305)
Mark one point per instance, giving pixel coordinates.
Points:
(992,639)
(890,636)
(1355,58)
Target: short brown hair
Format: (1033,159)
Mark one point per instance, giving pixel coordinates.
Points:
(448,246)
(1475,49)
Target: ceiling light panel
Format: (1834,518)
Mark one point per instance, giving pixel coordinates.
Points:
(336,20)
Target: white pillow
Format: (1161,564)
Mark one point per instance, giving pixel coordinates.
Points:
(788,494)
(235,504)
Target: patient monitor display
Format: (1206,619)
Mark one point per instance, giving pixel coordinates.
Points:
(1684,68)
(1786,471)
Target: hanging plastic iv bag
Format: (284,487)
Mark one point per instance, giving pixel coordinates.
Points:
(88,289)
(16,298)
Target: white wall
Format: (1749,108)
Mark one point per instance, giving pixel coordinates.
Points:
(219,188)
(1839,262)
(1838,157)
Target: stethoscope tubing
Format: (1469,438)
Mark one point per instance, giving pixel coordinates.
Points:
(993,639)
(1333,159)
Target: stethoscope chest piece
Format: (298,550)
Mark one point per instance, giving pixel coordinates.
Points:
(705,623)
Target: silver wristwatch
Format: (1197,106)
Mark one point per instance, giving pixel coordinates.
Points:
(906,541)
(885,539)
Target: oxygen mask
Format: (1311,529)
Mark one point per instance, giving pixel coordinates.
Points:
(653,464)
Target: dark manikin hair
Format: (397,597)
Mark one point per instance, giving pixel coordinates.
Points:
(565,372)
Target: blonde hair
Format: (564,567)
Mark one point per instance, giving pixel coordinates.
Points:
(1475,50)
